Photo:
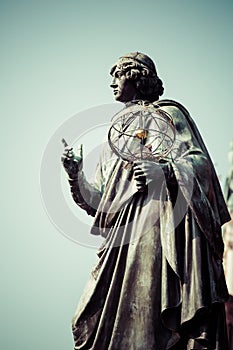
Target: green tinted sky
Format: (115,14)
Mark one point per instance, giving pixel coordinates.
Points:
(55,59)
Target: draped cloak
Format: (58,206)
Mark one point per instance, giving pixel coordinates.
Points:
(159,282)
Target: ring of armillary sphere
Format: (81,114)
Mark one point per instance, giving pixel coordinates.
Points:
(142,131)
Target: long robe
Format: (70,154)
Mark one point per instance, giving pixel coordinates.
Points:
(159,282)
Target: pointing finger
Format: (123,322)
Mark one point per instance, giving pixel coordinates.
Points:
(64,142)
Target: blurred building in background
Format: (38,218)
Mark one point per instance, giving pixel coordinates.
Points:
(228,241)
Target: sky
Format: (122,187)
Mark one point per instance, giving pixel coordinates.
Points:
(55,62)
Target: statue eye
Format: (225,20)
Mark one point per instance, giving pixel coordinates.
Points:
(118,74)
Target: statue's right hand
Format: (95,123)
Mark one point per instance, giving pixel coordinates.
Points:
(72,162)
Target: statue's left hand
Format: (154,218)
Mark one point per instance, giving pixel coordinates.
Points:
(146,171)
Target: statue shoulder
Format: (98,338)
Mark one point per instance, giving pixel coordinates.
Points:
(177,112)
(174,106)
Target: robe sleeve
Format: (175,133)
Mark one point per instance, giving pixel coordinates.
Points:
(87,195)
(196,177)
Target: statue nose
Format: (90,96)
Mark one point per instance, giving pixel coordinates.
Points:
(113,83)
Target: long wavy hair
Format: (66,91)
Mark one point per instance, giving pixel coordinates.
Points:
(143,75)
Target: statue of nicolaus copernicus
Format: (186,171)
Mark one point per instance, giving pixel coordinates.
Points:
(159,281)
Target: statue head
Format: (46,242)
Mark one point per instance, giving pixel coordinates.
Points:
(135,78)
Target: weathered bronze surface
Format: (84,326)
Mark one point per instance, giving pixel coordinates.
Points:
(159,282)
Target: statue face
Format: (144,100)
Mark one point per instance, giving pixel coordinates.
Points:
(124,89)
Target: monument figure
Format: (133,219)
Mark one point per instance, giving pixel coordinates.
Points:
(159,281)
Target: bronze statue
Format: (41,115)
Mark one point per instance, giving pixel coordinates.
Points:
(159,282)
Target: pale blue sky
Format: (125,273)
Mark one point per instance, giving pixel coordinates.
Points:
(55,59)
